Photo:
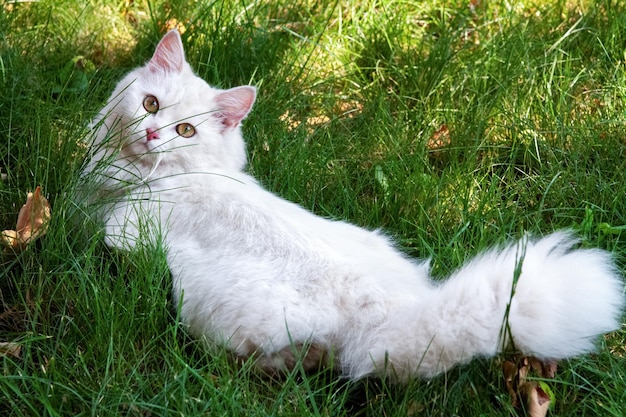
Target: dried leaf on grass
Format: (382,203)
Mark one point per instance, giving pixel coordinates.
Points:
(537,396)
(537,399)
(32,222)
(10,349)
(439,139)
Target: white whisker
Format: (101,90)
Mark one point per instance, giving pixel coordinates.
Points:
(159,156)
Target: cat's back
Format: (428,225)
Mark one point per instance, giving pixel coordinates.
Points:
(224,218)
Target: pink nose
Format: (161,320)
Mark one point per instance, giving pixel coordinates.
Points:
(152,134)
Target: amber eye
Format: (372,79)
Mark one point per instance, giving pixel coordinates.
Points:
(185,130)
(151,104)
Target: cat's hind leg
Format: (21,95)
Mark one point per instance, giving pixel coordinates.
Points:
(309,356)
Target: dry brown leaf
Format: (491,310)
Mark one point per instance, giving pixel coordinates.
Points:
(32,222)
(510,372)
(10,349)
(537,400)
(440,138)
(545,369)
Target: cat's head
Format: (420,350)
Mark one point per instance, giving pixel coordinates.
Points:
(163,112)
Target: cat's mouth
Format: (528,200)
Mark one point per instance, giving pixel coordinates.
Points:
(156,146)
(151,140)
(145,148)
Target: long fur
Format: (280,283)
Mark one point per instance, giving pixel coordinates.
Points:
(263,276)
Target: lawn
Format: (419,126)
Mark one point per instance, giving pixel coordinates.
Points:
(452,125)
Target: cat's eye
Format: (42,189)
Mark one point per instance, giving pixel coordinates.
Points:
(151,104)
(185,130)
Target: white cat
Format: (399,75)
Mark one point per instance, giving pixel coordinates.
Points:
(268,279)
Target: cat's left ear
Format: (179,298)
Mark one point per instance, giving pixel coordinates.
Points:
(169,55)
(233,105)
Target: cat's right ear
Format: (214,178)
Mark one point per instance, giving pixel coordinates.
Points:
(234,105)
(169,55)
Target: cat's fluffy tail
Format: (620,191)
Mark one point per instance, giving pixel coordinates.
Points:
(542,298)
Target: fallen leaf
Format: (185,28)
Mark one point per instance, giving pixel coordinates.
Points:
(545,369)
(510,372)
(537,396)
(439,139)
(10,349)
(32,222)
(537,400)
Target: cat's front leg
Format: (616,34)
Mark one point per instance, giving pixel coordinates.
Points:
(132,223)
(122,227)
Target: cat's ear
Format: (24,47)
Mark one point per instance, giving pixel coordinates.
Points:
(233,105)
(169,55)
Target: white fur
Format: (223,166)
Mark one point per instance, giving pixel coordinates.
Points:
(259,274)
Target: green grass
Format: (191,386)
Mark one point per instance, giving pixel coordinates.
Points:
(527,103)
